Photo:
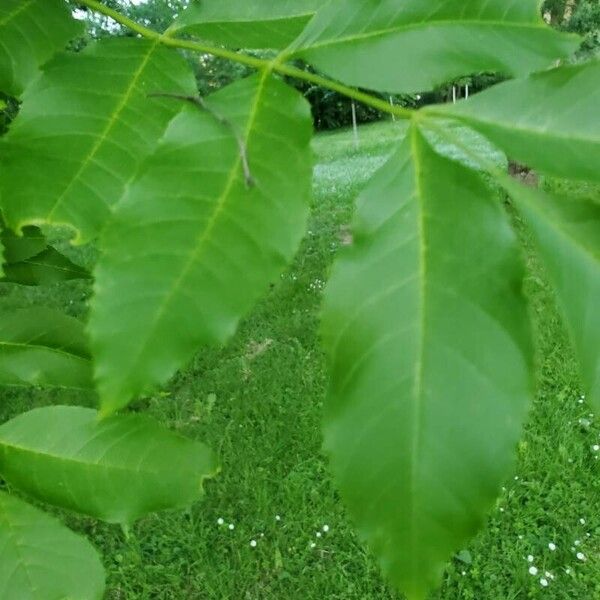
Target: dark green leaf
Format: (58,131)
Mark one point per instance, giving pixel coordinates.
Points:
(39,346)
(46,268)
(169,282)
(428,340)
(117,469)
(243,24)
(31,32)
(83,130)
(41,559)
(18,248)
(416,45)
(548,120)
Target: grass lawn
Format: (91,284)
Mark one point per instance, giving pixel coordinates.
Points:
(258,403)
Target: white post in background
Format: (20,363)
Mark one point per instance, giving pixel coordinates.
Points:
(467,91)
(392,105)
(454,94)
(354,125)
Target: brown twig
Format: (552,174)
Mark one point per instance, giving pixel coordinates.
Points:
(201,103)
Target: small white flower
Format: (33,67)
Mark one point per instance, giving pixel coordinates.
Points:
(231,526)
(220,521)
(533,570)
(464,572)
(520,537)
(552,546)
(577,542)
(582,521)
(277,518)
(516,478)
(325,528)
(253,543)
(580,556)
(544,582)
(549,575)
(595,447)
(501,510)
(529,558)
(313,545)
(318,534)
(568,571)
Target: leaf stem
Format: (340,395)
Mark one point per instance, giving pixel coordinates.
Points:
(251,61)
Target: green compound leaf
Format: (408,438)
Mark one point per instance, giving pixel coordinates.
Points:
(41,559)
(428,340)
(416,45)
(117,469)
(31,32)
(567,235)
(83,130)
(43,347)
(243,24)
(169,282)
(548,120)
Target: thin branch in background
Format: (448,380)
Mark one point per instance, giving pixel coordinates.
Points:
(201,103)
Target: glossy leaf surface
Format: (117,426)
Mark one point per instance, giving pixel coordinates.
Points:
(41,559)
(416,45)
(567,235)
(242,24)
(428,340)
(83,130)
(40,346)
(184,277)
(117,469)
(31,32)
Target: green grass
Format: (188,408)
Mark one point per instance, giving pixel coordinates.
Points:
(258,402)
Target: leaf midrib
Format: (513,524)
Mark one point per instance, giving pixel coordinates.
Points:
(15,13)
(224,21)
(417,392)
(422,25)
(6,446)
(196,254)
(114,117)
(48,348)
(518,127)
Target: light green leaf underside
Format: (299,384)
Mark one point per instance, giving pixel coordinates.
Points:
(428,341)
(168,283)
(40,559)
(117,469)
(548,120)
(31,31)
(376,43)
(567,234)
(43,347)
(83,130)
(242,24)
